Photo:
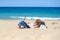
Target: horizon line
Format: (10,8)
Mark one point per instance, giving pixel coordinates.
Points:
(15,6)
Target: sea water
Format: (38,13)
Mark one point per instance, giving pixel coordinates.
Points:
(30,13)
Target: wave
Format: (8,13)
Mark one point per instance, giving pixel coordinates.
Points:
(42,18)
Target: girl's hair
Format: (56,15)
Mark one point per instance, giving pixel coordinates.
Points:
(38,21)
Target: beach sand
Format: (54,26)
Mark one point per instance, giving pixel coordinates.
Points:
(9,31)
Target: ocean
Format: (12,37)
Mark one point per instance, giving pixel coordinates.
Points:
(30,13)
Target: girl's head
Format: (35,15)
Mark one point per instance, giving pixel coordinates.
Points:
(37,22)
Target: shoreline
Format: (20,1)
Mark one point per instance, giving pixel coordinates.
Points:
(29,18)
(33,19)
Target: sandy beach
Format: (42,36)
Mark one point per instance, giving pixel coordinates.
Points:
(9,31)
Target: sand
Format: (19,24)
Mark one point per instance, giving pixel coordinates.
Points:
(9,31)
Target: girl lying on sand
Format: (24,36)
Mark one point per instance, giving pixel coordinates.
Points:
(37,24)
